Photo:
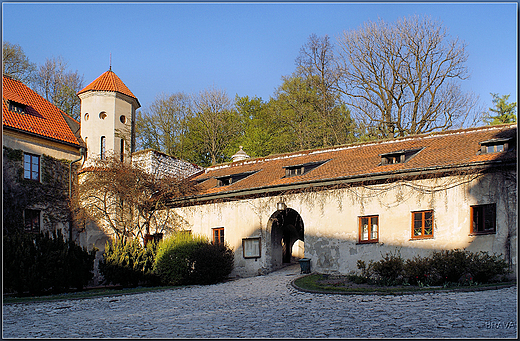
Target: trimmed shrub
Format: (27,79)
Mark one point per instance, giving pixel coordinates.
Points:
(185,259)
(44,263)
(128,263)
(212,263)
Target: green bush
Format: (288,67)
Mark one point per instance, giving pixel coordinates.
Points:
(486,268)
(450,265)
(128,263)
(44,263)
(389,270)
(442,268)
(213,263)
(418,271)
(186,259)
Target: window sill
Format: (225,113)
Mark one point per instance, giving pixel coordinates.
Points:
(482,233)
(368,242)
(421,238)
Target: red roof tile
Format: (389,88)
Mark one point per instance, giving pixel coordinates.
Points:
(108,81)
(440,150)
(40,117)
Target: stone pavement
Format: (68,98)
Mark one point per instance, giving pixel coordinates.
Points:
(267,307)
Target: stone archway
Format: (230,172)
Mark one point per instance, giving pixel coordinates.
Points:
(286,229)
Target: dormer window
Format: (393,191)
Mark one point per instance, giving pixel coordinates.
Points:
(400,156)
(495,146)
(16,107)
(302,168)
(231,179)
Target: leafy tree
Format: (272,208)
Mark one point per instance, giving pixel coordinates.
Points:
(15,63)
(59,86)
(315,63)
(403,78)
(503,112)
(260,129)
(212,127)
(163,126)
(127,200)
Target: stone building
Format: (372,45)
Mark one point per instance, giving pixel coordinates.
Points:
(41,145)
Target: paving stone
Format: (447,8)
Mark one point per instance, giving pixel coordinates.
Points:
(267,307)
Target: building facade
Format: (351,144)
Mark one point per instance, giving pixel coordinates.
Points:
(40,144)
(451,190)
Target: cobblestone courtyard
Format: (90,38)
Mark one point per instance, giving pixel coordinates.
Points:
(268,307)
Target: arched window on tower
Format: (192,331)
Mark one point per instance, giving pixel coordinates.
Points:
(103,147)
(122,150)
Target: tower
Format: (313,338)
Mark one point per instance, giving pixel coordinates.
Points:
(108,117)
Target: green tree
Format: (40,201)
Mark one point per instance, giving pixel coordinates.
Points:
(260,129)
(315,63)
(503,112)
(212,128)
(163,126)
(15,63)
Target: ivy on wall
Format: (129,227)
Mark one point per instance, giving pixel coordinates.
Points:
(50,195)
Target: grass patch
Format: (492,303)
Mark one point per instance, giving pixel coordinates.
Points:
(91,293)
(322,283)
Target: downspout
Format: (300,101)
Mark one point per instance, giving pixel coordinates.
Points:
(81,153)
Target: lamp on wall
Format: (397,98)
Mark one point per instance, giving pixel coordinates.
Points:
(280,206)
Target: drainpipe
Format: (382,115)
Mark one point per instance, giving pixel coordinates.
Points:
(81,153)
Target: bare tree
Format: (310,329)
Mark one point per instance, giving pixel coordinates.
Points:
(15,63)
(213,126)
(127,200)
(402,78)
(59,86)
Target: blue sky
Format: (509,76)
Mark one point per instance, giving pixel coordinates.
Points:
(243,48)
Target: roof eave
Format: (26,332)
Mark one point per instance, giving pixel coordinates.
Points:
(78,145)
(273,190)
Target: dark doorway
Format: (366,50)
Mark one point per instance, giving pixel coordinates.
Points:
(286,230)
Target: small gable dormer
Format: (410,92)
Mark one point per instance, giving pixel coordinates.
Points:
(301,169)
(399,156)
(496,145)
(17,107)
(233,178)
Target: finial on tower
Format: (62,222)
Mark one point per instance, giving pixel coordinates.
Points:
(110,69)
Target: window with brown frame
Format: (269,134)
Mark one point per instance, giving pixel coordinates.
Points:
(483,219)
(31,167)
(218,235)
(369,229)
(422,224)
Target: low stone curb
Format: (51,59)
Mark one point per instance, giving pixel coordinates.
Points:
(396,293)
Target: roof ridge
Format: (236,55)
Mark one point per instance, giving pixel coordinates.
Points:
(360,144)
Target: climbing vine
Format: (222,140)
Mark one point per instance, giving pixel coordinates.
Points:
(50,195)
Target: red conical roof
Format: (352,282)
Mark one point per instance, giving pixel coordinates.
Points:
(108,81)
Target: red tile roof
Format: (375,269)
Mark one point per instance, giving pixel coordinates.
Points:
(108,81)
(444,150)
(41,117)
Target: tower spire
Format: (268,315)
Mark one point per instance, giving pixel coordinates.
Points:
(110,69)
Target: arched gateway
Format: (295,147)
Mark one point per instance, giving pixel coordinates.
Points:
(286,232)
